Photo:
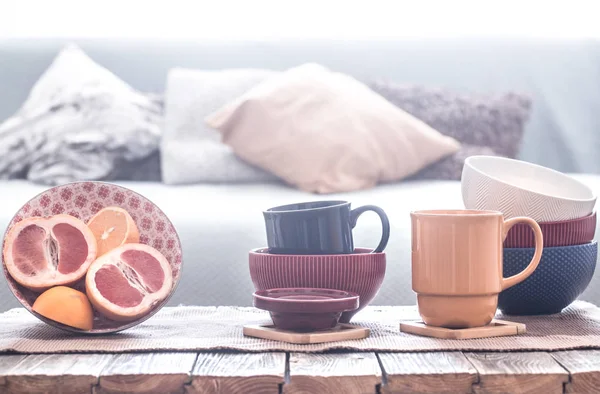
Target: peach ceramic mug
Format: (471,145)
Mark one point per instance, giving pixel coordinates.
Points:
(457,264)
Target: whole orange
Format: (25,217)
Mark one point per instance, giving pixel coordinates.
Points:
(67,306)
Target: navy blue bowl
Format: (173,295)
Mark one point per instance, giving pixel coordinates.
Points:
(563,274)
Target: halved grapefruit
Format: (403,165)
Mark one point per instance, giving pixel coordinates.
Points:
(127,282)
(43,252)
(113,227)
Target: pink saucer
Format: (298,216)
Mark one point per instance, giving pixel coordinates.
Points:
(83,200)
(305,309)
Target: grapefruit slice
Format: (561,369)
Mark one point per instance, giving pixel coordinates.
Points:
(67,306)
(43,252)
(113,227)
(127,282)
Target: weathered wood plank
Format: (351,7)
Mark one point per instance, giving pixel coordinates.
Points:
(534,372)
(55,373)
(584,368)
(444,372)
(348,373)
(237,373)
(8,362)
(147,373)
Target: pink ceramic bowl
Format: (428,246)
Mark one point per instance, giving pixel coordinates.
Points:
(83,200)
(361,273)
(564,233)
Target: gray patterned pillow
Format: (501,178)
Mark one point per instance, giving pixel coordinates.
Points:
(490,124)
(81,122)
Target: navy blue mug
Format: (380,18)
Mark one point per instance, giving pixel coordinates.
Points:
(318,227)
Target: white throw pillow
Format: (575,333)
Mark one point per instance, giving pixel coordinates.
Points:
(191,151)
(326,132)
(80,122)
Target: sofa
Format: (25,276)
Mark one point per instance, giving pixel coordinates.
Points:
(218,223)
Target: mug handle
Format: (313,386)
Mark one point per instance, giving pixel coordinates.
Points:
(385,224)
(539,246)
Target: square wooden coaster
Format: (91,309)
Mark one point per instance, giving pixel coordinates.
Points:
(341,332)
(497,328)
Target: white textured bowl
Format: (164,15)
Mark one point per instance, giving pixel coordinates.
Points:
(517,188)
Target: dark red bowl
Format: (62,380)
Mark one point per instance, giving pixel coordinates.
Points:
(361,273)
(564,233)
(305,309)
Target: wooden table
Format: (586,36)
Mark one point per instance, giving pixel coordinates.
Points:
(232,373)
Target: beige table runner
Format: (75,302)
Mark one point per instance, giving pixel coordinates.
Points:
(219,328)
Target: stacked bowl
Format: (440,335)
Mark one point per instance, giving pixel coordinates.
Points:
(564,209)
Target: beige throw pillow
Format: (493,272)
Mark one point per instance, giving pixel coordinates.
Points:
(326,132)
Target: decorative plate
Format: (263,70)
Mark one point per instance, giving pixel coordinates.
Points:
(83,200)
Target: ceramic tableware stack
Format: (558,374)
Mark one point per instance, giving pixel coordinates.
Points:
(310,276)
(564,209)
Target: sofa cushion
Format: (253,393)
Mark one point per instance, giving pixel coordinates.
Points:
(191,151)
(494,120)
(326,132)
(484,123)
(81,122)
(490,124)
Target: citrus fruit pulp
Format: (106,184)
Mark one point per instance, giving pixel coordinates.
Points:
(43,252)
(127,282)
(113,227)
(67,306)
